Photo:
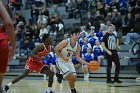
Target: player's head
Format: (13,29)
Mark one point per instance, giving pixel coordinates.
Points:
(46,39)
(111,28)
(75,34)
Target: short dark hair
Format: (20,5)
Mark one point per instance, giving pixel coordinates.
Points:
(44,37)
(76,30)
(111,25)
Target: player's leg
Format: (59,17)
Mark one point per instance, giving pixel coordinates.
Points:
(1,78)
(117,69)
(46,70)
(71,77)
(53,69)
(59,74)
(24,74)
(69,73)
(71,80)
(108,70)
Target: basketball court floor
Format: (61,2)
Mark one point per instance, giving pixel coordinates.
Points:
(96,85)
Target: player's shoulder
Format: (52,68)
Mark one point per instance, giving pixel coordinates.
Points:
(65,41)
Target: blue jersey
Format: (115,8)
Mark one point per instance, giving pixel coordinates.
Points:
(97,50)
(50,59)
(88,57)
(100,36)
(74,60)
(81,42)
(92,41)
(84,49)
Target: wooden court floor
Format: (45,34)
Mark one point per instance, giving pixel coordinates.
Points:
(31,85)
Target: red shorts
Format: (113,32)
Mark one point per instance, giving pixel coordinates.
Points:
(34,65)
(4,53)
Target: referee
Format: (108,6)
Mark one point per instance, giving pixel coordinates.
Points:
(109,44)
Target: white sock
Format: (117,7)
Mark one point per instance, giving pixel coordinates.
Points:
(9,84)
(88,75)
(84,76)
(49,89)
(45,77)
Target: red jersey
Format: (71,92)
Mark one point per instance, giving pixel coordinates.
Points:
(43,53)
(37,65)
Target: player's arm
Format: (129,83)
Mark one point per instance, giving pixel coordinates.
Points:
(35,51)
(8,25)
(79,59)
(59,47)
(105,49)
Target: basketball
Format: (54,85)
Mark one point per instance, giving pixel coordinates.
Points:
(94,66)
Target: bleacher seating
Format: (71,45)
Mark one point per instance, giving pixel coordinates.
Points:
(125,50)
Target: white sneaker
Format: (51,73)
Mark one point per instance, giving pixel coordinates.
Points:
(138,78)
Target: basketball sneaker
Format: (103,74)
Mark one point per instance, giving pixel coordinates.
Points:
(6,88)
(117,81)
(50,92)
(59,77)
(109,82)
(73,91)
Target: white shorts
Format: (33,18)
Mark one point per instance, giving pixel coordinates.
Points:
(66,67)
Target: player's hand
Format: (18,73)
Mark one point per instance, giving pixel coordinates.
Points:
(109,52)
(87,63)
(66,59)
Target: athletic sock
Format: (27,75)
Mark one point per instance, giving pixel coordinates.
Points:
(49,89)
(9,84)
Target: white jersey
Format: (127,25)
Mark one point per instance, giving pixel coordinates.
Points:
(68,50)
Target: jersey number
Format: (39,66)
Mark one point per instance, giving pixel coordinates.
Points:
(69,53)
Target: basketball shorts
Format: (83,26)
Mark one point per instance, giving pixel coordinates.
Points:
(4,53)
(34,66)
(66,67)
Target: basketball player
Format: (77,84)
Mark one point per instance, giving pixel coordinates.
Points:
(4,50)
(65,50)
(34,63)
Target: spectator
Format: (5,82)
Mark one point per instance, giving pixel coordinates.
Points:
(87,57)
(116,19)
(34,14)
(85,47)
(81,39)
(135,33)
(43,30)
(92,37)
(114,5)
(98,52)
(44,11)
(128,24)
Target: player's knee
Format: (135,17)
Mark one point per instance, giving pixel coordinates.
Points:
(72,78)
(51,74)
